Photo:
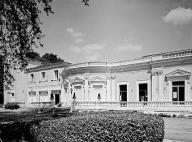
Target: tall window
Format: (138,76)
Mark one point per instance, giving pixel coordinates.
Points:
(43,76)
(123,92)
(56,73)
(31,77)
(143,92)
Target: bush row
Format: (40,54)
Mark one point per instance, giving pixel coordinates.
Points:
(111,126)
(12,105)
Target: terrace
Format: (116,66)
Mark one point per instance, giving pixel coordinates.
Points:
(142,106)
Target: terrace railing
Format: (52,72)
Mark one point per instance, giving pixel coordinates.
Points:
(145,106)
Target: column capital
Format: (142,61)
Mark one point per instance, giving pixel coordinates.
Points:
(111,77)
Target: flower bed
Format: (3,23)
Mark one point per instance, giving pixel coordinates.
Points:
(103,126)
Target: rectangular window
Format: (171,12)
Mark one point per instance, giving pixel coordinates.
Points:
(123,92)
(43,76)
(31,77)
(43,93)
(56,73)
(12,95)
(77,87)
(178,90)
(143,92)
(32,93)
(97,86)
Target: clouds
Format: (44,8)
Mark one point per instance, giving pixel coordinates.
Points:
(129,47)
(90,52)
(89,48)
(179,16)
(74,33)
(94,51)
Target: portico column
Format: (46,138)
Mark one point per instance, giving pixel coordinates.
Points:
(63,95)
(170,90)
(114,95)
(109,89)
(86,88)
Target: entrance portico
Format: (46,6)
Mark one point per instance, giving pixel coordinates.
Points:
(178,80)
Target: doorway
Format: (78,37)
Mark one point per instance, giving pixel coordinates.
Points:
(178,91)
(123,92)
(57,99)
(143,92)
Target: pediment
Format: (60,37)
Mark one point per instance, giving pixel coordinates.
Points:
(177,73)
(77,80)
(97,78)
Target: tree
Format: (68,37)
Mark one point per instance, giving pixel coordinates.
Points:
(33,55)
(20,32)
(51,58)
(86,2)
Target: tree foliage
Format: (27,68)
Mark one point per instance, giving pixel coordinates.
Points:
(51,58)
(33,55)
(20,32)
(86,2)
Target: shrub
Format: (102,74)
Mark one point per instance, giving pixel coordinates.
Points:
(111,126)
(12,105)
(18,130)
(1,105)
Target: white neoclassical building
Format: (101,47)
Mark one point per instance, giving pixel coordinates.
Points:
(158,81)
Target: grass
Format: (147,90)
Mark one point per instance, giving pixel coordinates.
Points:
(15,124)
(26,114)
(175,128)
(178,129)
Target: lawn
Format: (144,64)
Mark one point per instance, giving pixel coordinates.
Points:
(175,128)
(15,124)
(178,129)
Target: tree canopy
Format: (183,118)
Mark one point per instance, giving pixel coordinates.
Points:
(20,32)
(51,58)
(32,55)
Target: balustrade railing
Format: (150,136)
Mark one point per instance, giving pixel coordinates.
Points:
(153,106)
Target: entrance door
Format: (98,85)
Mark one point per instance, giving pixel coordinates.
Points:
(143,92)
(178,91)
(123,95)
(57,98)
(123,92)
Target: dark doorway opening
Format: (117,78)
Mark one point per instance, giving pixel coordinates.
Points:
(123,94)
(178,91)
(143,91)
(57,99)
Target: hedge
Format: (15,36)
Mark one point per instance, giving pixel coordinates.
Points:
(111,126)
(12,105)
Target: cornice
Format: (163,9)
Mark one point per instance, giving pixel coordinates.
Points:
(131,67)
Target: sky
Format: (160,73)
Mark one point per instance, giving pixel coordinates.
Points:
(116,30)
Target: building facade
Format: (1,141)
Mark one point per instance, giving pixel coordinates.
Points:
(160,78)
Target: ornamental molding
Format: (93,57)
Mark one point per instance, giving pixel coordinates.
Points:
(77,80)
(97,78)
(156,72)
(178,73)
(111,77)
